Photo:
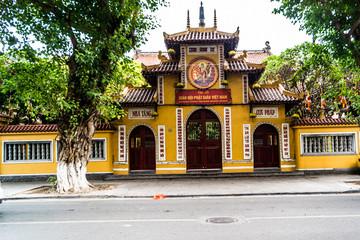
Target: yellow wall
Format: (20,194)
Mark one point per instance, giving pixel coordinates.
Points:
(35,168)
(239,116)
(330,161)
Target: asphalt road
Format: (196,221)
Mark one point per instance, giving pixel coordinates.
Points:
(269,217)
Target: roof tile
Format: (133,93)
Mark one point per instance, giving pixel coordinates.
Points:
(194,36)
(324,121)
(139,97)
(166,67)
(43,128)
(271,95)
(240,66)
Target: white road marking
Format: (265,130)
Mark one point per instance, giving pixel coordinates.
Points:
(99,221)
(127,221)
(303,217)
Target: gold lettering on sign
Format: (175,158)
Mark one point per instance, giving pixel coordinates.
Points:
(266,112)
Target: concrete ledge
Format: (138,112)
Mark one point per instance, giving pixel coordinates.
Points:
(45,177)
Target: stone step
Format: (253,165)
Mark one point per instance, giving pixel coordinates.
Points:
(205,174)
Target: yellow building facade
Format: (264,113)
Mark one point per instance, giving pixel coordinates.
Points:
(201,111)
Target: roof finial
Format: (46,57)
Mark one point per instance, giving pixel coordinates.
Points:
(215,20)
(188,19)
(202,16)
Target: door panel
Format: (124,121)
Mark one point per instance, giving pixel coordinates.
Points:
(203,141)
(266,147)
(142,149)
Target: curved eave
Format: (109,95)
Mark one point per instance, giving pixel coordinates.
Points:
(276,102)
(138,104)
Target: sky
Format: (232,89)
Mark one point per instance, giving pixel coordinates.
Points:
(255,19)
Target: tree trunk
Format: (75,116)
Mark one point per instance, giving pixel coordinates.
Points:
(75,150)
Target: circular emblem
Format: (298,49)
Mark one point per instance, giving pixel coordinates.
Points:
(202,72)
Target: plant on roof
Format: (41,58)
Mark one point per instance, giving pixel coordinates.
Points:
(232,53)
(252,115)
(224,82)
(295,116)
(180,85)
(256,85)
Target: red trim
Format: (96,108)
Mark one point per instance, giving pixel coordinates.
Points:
(43,128)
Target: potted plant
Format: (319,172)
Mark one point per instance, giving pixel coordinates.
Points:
(171,52)
(225,83)
(256,85)
(295,116)
(232,53)
(180,85)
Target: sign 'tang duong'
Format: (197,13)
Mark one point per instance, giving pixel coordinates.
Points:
(203,97)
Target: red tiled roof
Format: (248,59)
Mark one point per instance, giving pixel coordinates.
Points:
(324,121)
(256,57)
(139,97)
(271,95)
(149,58)
(43,128)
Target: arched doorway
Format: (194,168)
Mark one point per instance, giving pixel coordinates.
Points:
(266,147)
(142,149)
(203,141)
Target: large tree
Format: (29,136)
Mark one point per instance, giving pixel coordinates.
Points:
(334,22)
(83,42)
(311,67)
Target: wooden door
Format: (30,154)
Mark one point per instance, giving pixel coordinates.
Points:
(203,141)
(142,149)
(266,147)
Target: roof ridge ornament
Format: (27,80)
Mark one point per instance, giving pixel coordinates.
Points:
(202,16)
(267,48)
(188,20)
(215,20)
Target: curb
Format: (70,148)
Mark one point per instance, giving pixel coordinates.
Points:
(180,195)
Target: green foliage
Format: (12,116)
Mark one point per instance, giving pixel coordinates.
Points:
(80,60)
(53,181)
(312,67)
(335,23)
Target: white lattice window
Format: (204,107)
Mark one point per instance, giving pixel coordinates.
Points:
(328,144)
(98,150)
(27,151)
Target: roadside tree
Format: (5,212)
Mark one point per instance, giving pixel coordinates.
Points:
(79,65)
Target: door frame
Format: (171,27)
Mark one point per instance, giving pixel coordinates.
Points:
(221,132)
(279,143)
(128,143)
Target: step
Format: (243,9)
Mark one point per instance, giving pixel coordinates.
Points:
(205,174)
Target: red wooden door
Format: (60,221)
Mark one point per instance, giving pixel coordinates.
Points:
(266,147)
(203,141)
(142,149)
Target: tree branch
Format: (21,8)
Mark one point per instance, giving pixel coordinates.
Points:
(354,27)
(334,20)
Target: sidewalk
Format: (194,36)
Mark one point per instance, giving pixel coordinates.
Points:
(199,187)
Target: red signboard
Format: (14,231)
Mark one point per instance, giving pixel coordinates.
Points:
(203,97)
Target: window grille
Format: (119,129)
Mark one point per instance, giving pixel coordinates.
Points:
(28,151)
(97,150)
(328,144)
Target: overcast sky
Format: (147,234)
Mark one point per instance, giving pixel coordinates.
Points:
(255,19)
